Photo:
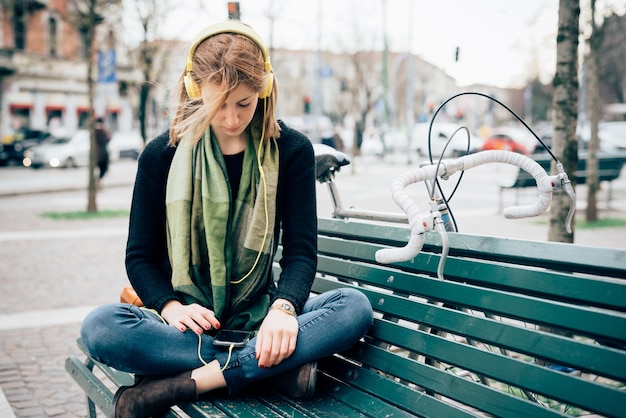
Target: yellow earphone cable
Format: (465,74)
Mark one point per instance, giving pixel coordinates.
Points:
(230,348)
(230,353)
(258,157)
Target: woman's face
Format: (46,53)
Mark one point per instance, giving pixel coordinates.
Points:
(234,116)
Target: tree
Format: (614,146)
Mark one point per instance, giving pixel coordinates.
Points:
(595,41)
(612,60)
(541,100)
(85,16)
(565,104)
(151,14)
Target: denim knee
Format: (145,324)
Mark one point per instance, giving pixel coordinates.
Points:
(103,333)
(92,327)
(360,308)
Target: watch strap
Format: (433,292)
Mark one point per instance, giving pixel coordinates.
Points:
(285,307)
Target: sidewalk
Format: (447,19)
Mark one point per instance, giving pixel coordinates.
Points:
(54,272)
(16,181)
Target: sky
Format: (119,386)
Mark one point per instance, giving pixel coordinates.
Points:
(501,42)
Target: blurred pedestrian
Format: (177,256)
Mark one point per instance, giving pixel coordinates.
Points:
(338,141)
(102,147)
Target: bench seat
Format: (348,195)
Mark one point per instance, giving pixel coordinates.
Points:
(516,329)
(609,169)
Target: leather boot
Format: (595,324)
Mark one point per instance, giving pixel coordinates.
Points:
(151,396)
(300,382)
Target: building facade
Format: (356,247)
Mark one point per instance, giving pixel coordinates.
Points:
(43,69)
(43,73)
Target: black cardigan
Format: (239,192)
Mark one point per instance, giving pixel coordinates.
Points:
(147,261)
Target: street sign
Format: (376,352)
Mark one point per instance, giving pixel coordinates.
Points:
(107,66)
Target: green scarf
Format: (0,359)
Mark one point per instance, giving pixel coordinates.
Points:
(221,251)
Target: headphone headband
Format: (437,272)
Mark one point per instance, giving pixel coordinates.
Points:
(230,26)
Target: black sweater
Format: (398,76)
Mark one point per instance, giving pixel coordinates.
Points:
(147,261)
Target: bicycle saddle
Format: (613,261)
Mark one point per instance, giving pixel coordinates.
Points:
(328,161)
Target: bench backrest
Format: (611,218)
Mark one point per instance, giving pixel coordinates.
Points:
(485,335)
(609,168)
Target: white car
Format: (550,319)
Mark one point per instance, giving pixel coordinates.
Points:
(444,135)
(126,144)
(612,136)
(60,152)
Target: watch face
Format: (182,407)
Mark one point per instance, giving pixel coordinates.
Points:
(286,307)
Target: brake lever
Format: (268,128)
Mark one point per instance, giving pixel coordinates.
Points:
(440,227)
(562,181)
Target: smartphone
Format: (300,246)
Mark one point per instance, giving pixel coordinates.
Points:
(228,337)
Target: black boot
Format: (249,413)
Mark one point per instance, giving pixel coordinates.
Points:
(150,396)
(300,382)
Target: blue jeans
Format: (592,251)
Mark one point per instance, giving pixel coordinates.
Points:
(136,340)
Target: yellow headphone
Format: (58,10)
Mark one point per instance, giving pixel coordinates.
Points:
(231,26)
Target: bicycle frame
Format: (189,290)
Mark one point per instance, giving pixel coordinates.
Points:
(438,218)
(341,212)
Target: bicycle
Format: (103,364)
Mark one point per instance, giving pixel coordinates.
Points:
(440,219)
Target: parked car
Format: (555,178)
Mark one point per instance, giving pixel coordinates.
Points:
(511,139)
(13,146)
(60,152)
(446,135)
(612,136)
(396,141)
(372,144)
(504,142)
(127,144)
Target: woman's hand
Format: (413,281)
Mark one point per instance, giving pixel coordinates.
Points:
(194,317)
(276,339)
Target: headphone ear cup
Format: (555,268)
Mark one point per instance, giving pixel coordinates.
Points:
(268,88)
(193,91)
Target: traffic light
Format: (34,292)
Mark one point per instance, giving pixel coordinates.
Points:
(307,105)
(233,10)
(456,54)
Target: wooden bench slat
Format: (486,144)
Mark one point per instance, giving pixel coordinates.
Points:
(567,351)
(603,293)
(405,397)
(592,322)
(265,403)
(118,377)
(317,406)
(95,390)
(446,384)
(539,379)
(605,262)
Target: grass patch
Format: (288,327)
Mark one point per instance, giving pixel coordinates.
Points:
(84,215)
(602,223)
(599,224)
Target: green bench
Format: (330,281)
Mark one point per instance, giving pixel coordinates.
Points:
(609,169)
(511,320)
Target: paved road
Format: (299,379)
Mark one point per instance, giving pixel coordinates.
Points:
(53,272)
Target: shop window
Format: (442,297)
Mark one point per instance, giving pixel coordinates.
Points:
(54,116)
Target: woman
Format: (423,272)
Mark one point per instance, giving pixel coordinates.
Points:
(212,197)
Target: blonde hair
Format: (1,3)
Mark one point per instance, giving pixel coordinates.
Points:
(227,60)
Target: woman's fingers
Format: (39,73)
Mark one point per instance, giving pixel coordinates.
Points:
(277,338)
(194,317)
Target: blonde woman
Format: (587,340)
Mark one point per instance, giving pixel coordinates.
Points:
(212,197)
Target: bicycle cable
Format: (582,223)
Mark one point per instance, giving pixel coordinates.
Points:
(436,182)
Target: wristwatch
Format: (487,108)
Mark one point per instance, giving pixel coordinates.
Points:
(286,307)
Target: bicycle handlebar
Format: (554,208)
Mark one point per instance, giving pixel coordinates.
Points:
(420,224)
